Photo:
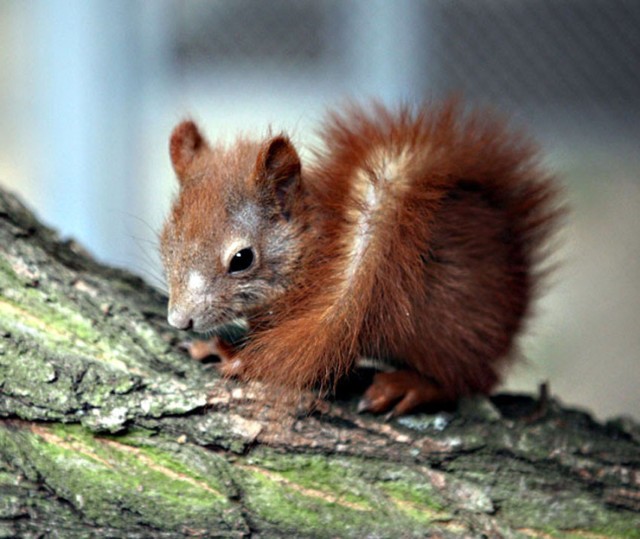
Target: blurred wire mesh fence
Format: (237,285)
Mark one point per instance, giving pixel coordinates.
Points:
(526,53)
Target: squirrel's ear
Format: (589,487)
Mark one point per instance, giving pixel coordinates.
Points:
(278,172)
(186,142)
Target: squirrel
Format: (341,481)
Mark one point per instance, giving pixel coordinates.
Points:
(416,237)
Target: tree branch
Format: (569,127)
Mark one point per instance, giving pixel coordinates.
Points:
(108,429)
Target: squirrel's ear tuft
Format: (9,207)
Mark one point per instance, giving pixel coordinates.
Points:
(278,172)
(186,142)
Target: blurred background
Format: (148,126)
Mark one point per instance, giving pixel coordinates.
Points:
(90,90)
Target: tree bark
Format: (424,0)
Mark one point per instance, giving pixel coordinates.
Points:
(107,429)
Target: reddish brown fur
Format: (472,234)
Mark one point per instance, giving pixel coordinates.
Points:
(437,279)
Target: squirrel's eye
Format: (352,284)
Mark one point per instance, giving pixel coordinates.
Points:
(241,261)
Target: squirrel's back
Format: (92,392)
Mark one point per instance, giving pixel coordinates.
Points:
(430,228)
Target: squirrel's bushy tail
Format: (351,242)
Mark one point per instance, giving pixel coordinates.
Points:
(374,193)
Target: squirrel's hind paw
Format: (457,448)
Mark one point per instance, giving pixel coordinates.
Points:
(399,393)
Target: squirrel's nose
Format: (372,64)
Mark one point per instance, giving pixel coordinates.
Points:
(180,320)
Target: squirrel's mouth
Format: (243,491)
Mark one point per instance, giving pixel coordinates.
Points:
(189,321)
(221,327)
(224,325)
(232,331)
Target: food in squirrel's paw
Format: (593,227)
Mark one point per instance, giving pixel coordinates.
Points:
(413,237)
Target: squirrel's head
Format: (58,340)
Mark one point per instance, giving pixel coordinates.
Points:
(231,244)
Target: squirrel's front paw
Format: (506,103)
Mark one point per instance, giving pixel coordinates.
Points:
(230,365)
(201,350)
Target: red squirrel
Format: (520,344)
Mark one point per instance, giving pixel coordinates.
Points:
(415,237)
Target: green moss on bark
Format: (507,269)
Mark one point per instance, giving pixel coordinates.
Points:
(99,477)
